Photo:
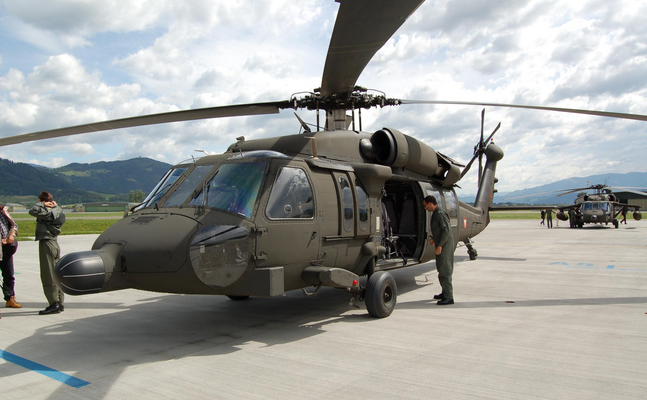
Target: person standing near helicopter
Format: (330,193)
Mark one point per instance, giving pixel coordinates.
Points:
(443,241)
(49,219)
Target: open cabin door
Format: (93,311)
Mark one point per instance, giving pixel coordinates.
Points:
(404,221)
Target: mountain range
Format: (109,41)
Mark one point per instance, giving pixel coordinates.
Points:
(544,194)
(79,183)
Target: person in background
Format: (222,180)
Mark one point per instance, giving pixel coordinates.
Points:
(543,217)
(9,230)
(549,218)
(49,220)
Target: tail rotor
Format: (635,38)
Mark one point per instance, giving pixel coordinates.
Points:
(479,149)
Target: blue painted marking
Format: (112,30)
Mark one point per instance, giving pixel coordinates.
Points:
(41,369)
(590,266)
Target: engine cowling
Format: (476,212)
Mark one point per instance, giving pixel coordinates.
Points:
(397,150)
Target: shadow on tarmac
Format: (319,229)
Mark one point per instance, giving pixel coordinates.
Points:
(169,327)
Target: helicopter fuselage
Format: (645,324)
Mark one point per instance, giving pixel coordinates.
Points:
(256,221)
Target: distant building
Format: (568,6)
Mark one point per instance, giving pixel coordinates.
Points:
(632,198)
(101,207)
(12,207)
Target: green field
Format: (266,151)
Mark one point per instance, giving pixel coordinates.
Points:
(514,215)
(71,227)
(82,224)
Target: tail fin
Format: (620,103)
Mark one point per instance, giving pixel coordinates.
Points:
(485,195)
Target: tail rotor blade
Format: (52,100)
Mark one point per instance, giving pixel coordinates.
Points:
(467,167)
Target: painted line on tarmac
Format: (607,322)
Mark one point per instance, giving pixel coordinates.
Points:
(43,370)
(582,265)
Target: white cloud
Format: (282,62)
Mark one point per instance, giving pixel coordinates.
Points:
(71,62)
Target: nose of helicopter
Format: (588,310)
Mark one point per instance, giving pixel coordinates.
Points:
(219,256)
(83,272)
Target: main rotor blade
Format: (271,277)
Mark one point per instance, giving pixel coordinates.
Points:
(152,119)
(638,117)
(361,29)
(624,189)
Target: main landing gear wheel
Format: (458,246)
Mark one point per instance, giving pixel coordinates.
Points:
(238,298)
(615,223)
(381,294)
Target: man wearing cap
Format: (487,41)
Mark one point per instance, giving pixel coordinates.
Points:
(9,230)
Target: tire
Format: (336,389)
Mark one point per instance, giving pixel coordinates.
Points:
(237,298)
(381,294)
(615,223)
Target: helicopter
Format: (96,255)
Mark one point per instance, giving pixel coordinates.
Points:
(315,209)
(602,207)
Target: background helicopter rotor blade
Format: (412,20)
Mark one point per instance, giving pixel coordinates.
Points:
(628,189)
(638,117)
(361,29)
(151,119)
(569,191)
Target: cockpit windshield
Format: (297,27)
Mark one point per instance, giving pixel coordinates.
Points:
(233,188)
(162,187)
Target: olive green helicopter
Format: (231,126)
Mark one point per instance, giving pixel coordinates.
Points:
(317,209)
(601,207)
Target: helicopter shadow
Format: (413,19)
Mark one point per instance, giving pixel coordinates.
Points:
(170,327)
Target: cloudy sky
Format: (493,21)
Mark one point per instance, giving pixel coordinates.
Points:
(68,62)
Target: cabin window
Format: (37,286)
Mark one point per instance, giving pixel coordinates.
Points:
(291,195)
(233,188)
(347,204)
(451,206)
(189,185)
(163,186)
(362,205)
(436,194)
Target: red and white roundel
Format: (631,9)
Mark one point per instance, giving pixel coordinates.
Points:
(465,222)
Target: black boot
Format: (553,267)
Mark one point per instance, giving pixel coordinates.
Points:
(53,308)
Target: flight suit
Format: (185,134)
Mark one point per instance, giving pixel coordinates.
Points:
(48,227)
(442,235)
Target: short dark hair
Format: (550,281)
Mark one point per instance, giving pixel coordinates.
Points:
(45,196)
(431,199)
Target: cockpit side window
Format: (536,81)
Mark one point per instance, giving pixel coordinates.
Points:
(291,195)
(189,185)
(163,186)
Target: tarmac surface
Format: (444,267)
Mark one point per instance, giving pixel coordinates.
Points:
(541,314)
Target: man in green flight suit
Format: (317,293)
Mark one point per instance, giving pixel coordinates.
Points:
(444,241)
(49,219)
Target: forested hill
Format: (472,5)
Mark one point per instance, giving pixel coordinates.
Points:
(19,179)
(75,183)
(114,177)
